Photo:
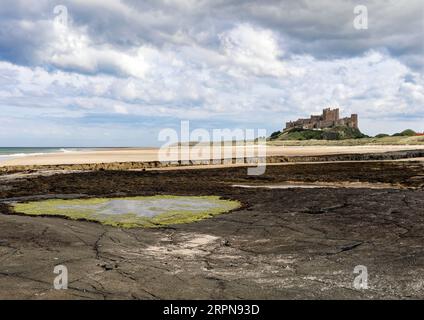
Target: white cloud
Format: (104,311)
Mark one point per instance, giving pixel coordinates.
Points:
(252,49)
(71,48)
(120,109)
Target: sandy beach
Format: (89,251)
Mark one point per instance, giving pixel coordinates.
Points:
(151,154)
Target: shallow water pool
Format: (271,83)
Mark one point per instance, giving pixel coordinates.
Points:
(132,211)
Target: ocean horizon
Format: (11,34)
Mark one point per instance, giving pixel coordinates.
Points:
(7,153)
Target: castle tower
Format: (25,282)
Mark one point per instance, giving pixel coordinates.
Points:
(330,115)
(325,114)
(354,119)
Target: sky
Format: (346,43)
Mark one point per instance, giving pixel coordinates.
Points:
(117,72)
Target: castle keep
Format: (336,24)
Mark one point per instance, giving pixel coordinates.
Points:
(328,119)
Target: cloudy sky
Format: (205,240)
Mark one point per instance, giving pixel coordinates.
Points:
(116,72)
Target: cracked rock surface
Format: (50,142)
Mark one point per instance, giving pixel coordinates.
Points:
(282,244)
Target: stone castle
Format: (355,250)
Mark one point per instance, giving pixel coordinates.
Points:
(328,119)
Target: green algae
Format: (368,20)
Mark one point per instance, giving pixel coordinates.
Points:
(128,212)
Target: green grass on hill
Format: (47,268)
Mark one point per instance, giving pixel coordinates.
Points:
(341,136)
(336,133)
(386,140)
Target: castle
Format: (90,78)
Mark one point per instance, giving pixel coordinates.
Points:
(329,118)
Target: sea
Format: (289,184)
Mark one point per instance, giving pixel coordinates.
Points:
(7,153)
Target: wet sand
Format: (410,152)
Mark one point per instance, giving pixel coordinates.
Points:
(151,154)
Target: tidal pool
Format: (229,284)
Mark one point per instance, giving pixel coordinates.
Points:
(320,185)
(154,211)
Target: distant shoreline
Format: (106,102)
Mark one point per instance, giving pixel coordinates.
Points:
(10,153)
(139,158)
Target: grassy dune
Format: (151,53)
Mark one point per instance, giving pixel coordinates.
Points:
(415,140)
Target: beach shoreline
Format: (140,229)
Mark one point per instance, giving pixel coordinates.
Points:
(127,155)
